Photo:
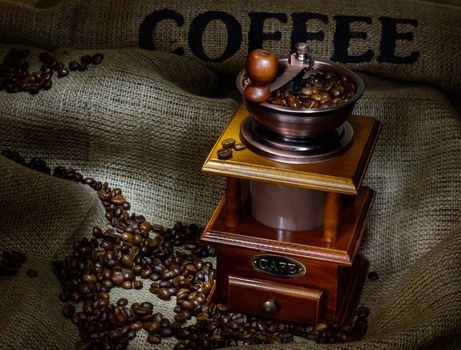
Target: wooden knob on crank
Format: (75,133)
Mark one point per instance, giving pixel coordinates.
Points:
(261,67)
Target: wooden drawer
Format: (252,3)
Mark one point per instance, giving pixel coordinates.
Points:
(275,300)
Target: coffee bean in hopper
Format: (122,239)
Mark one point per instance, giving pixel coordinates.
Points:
(321,89)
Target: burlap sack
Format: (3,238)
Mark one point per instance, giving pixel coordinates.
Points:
(406,40)
(144,121)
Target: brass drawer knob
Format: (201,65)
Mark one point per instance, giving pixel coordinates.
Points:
(270,306)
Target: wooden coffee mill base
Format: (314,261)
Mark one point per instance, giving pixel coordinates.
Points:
(293,275)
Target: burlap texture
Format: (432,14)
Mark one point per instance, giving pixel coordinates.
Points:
(145,121)
(201,29)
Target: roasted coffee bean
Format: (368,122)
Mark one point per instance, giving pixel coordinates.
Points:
(164,294)
(122,302)
(117,278)
(89,278)
(152,327)
(68,310)
(153,339)
(164,323)
(183,333)
(157,228)
(186,305)
(363,312)
(82,67)
(146,273)
(293,101)
(139,218)
(181,317)
(128,275)
(307,91)
(166,332)
(240,146)
(107,283)
(137,239)
(73,65)
(15,75)
(136,326)
(147,305)
(224,153)
(85,59)
(62,72)
(373,276)
(126,260)
(320,89)
(137,284)
(185,274)
(228,143)
(97,58)
(157,317)
(165,284)
(127,285)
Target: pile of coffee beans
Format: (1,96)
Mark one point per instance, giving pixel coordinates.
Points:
(15,74)
(227,146)
(172,263)
(321,89)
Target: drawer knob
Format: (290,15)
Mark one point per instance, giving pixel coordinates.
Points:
(270,306)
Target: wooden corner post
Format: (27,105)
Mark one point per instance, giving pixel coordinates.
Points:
(331,216)
(232,202)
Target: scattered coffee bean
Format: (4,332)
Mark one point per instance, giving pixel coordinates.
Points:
(73,65)
(240,146)
(85,59)
(15,75)
(97,58)
(127,285)
(122,302)
(62,72)
(137,284)
(224,153)
(228,143)
(164,294)
(363,312)
(136,326)
(373,276)
(153,339)
(183,274)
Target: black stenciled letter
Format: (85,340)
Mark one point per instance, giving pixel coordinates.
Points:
(256,35)
(342,38)
(198,26)
(300,33)
(146,30)
(390,35)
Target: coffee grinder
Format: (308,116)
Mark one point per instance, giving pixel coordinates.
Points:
(289,227)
